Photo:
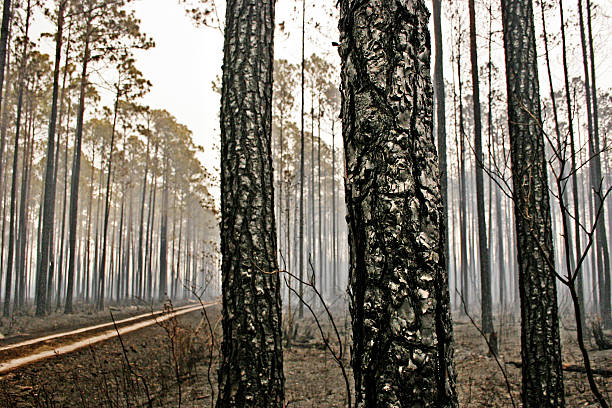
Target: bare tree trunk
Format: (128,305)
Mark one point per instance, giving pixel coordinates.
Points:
(163,242)
(440,99)
(334,219)
(76,172)
(5,33)
(60,261)
(109,189)
(149,239)
(20,290)
(251,369)
(12,221)
(5,67)
(463,213)
(540,343)
(399,300)
(485,273)
(300,236)
(48,198)
(602,241)
(140,279)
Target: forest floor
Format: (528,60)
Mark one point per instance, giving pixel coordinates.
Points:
(140,369)
(24,325)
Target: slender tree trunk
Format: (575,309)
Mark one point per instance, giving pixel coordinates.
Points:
(163,241)
(334,219)
(485,273)
(500,252)
(76,172)
(48,199)
(440,96)
(320,252)
(301,230)
(178,255)
(7,12)
(11,240)
(463,215)
(313,243)
(540,344)
(22,269)
(5,67)
(399,301)
(107,199)
(141,223)
(64,198)
(602,241)
(149,239)
(251,369)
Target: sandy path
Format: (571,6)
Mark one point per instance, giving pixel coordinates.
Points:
(34,350)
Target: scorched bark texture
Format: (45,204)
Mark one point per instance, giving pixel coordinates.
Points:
(540,346)
(402,334)
(251,372)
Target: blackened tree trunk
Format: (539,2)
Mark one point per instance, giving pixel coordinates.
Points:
(540,345)
(334,213)
(60,261)
(463,212)
(440,96)
(5,57)
(107,200)
(163,239)
(149,239)
(12,221)
(251,371)
(4,37)
(20,288)
(300,236)
(570,126)
(140,279)
(483,246)
(76,172)
(602,240)
(48,200)
(402,333)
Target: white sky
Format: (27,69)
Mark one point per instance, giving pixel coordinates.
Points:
(182,66)
(186,59)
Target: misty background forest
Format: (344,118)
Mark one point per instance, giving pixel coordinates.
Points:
(270,204)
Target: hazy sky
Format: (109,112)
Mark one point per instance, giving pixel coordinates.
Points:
(186,59)
(181,66)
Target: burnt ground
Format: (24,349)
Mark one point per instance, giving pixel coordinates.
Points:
(143,371)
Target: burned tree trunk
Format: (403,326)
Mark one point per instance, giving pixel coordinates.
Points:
(251,371)
(540,345)
(402,334)
(486,303)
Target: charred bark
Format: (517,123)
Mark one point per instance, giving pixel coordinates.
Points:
(251,371)
(540,345)
(402,334)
